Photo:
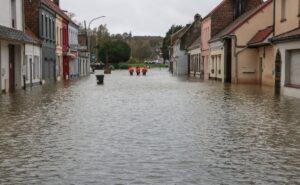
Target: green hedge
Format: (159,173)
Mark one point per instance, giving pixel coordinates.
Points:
(127,65)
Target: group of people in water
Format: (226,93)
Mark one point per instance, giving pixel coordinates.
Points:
(138,70)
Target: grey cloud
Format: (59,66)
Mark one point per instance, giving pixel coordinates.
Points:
(142,17)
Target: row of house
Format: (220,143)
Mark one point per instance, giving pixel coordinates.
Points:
(243,41)
(39,44)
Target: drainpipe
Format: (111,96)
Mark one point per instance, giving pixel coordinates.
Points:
(22,65)
(0,70)
(274,14)
(236,54)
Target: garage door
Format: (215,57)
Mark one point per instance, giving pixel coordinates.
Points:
(295,67)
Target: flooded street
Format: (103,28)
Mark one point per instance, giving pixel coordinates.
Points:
(157,129)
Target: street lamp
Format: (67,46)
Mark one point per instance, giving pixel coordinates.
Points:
(89,27)
(94,19)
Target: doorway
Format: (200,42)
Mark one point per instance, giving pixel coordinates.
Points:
(228,63)
(11,51)
(260,68)
(278,63)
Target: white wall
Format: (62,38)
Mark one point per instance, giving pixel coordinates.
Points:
(5,13)
(4,65)
(73,35)
(284,47)
(180,60)
(31,51)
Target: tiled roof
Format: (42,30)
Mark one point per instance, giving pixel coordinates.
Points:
(14,35)
(240,21)
(55,8)
(215,9)
(261,35)
(291,35)
(179,34)
(195,44)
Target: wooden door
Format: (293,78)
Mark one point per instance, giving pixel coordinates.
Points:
(11,59)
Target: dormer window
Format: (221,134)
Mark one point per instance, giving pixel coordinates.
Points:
(239,8)
(13,14)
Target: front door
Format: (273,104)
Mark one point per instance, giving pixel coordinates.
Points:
(11,59)
(65,68)
(228,62)
(278,73)
(260,70)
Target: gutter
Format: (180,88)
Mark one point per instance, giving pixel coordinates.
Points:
(286,39)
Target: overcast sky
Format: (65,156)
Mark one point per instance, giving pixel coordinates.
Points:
(142,17)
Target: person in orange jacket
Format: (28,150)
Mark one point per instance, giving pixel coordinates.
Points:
(131,70)
(145,70)
(138,71)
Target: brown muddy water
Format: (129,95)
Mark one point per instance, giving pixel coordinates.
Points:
(151,130)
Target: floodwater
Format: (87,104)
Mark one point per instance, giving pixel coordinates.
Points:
(151,130)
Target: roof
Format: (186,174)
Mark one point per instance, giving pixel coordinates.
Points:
(34,38)
(55,8)
(287,36)
(240,21)
(261,36)
(195,44)
(179,34)
(14,35)
(215,9)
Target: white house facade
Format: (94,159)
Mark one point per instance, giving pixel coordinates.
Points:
(12,45)
(73,43)
(179,60)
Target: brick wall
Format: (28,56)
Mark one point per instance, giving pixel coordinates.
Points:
(224,15)
(82,38)
(192,34)
(31,11)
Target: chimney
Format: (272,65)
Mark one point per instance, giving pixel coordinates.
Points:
(197,17)
(56,2)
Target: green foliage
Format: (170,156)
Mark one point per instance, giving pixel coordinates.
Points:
(135,61)
(167,41)
(127,65)
(115,50)
(145,47)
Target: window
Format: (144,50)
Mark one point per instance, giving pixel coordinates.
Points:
(46,27)
(42,31)
(13,14)
(34,69)
(37,66)
(53,31)
(61,37)
(283,10)
(50,29)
